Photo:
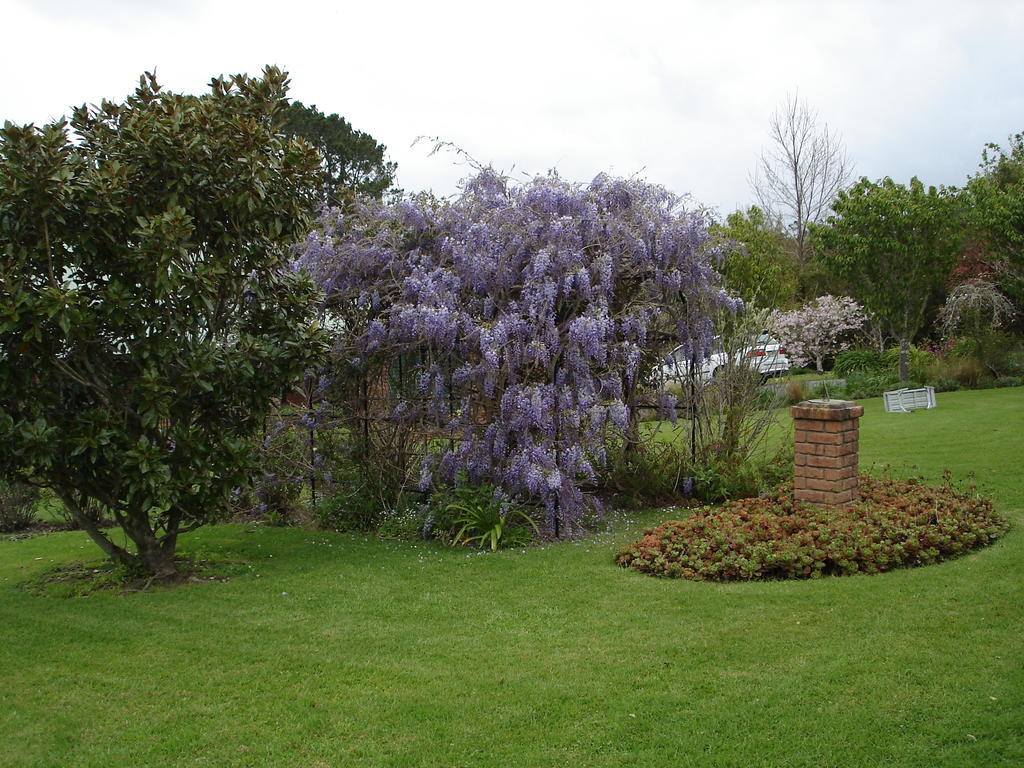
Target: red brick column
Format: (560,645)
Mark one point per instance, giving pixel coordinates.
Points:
(826,452)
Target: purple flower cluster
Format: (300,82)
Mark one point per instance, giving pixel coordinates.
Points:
(527,311)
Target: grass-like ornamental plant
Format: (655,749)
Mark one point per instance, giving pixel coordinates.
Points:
(476,514)
(895,524)
(487,525)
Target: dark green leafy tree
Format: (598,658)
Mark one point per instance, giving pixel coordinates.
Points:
(148,317)
(759,268)
(352,161)
(895,246)
(995,199)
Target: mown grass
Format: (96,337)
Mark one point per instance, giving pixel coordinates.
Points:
(339,650)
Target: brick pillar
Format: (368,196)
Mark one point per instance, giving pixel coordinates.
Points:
(826,452)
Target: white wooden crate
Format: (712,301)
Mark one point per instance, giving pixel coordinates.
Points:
(907,400)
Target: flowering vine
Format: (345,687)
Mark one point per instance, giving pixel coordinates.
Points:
(524,318)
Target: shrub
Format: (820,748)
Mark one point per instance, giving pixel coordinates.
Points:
(975,310)
(282,454)
(356,496)
(945,383)
(819,329)
(409,523)
(895,524)
(277,498)
(869,373)
(1014,363)
(992,350)
(652,473)
(661,473)
(853,361)
(720,481)
(718,446)
(351,507)
(733,419)
(17,506)
(870,384)
(968,371)
(920,359)
(796,392)
(1009,381)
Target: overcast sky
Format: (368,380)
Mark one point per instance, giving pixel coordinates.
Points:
(677,92)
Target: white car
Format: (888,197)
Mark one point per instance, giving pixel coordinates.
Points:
(765,355)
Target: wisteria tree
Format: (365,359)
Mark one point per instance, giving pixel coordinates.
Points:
(818,329)
(528,316)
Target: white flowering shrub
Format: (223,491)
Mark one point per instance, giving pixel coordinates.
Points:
(818,329)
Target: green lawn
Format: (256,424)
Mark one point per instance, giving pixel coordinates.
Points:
(336,650)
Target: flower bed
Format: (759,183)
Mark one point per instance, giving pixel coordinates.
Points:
(895,524)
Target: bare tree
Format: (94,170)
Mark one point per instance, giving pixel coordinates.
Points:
(801,172)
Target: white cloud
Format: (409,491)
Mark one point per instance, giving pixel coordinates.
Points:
(680,91)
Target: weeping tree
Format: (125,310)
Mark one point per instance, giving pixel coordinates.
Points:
(976,310)
(148,317)
(525,319)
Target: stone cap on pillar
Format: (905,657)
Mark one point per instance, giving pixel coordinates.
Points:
(826,410)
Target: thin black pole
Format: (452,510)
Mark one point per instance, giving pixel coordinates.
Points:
(558,458)
(366,417)
(693,406)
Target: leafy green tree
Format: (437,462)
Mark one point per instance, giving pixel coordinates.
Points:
(148,316)
(995,199)
(759,268)
(895,245)
(352,162)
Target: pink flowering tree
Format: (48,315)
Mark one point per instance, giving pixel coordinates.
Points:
(513,326)
(818,329)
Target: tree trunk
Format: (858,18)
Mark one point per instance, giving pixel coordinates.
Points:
(157,560)
(904,360)
(153,557)
(86,522)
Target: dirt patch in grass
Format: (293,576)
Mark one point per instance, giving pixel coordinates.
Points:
(37,528)
(86,579)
